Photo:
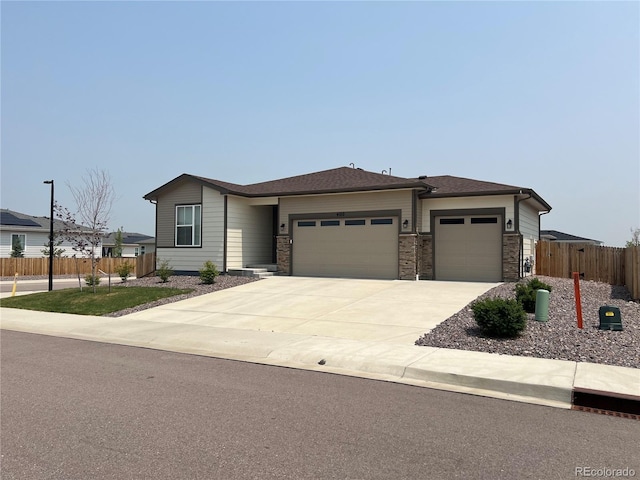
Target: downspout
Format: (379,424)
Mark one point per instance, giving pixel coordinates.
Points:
(539,224)
(224,236)
(155,230)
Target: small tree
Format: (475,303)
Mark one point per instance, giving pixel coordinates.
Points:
(124,270)
(164,271)
(93,202)
(635,238)
(57,252)
(208,272)
(117,250)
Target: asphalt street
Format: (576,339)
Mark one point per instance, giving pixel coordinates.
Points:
(74,409)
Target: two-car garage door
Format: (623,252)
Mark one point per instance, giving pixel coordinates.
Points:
(468,248)
(346,247)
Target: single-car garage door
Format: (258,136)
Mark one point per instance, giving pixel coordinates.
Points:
(468,248)
(346,247)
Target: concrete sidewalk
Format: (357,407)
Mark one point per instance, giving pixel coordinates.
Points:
(363,328)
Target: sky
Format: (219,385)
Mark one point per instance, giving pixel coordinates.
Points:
(543,95)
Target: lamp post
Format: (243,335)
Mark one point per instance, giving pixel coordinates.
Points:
(50,182)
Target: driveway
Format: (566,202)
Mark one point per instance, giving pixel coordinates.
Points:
(391,311)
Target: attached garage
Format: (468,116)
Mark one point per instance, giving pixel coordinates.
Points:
(468,248)
(347,247)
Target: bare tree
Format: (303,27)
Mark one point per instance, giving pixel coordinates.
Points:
(86,228)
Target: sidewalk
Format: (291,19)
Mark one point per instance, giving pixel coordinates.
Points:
(219,325)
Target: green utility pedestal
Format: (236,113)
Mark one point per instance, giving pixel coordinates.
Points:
(542,305)
(610,318)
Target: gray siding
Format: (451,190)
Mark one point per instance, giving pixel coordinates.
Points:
(184,194)
(192,258)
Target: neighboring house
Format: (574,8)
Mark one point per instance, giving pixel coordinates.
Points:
(32,233)
(556,236)
(133,244)
(347,222)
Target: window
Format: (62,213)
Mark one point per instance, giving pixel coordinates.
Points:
(188,225)
(18,242)
(382,221)
(307,224)
(452,221)
(484,220)
(136,251)
(330,223)
(354,222)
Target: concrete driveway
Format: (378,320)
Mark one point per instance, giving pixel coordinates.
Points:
(391,311)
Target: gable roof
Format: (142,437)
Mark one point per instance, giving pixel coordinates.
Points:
(342,179)
(347,179)
(565,237)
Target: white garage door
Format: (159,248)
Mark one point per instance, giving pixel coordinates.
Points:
(351,247)
(468,248)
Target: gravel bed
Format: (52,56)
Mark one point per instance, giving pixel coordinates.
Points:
(559,338)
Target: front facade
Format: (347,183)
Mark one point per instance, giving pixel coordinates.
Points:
(347,222)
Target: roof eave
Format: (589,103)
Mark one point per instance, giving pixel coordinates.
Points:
(520,191)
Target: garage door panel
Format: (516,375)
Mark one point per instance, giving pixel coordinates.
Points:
(358,251)
(468,248)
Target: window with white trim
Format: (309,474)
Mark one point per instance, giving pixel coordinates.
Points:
(188,225)
(18,240)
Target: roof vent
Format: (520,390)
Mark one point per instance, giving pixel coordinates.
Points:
(422,177)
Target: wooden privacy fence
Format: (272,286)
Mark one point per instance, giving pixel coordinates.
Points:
(145,264)
(61,266)
(615,266)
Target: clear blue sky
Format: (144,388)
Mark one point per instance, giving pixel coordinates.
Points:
(535,94)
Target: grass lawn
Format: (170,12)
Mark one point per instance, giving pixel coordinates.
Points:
(85,302)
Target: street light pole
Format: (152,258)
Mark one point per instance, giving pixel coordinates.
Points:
(50,182)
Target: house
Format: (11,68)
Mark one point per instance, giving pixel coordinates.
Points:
(133,244)
(348,222)
(32,234)
(556,236)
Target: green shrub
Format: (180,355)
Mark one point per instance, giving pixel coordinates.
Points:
(499,317)
(208,272)
(526,293)
(92,280)
(164,271)
(124,270)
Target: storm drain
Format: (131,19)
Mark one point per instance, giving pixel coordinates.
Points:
(606,403)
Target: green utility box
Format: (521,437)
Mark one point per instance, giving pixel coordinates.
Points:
(542,305)
(610,318)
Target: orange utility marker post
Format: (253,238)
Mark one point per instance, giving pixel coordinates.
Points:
(576,288)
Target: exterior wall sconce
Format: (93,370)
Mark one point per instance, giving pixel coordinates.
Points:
(405,224)
(509,224)
(282,227)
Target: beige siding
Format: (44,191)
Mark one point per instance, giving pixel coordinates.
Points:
(529,228)
(249,233)
(346,202)
(183,194)
(459,203)
(192,258)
